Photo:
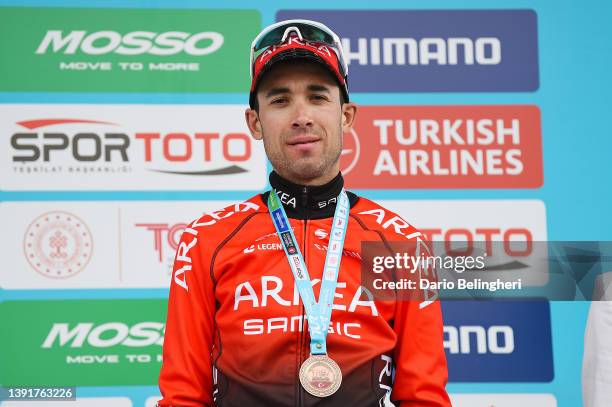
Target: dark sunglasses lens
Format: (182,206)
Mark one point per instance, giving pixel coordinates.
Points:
(309,32)
(312,33)
(273,37)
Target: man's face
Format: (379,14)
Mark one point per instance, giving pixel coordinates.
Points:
(301,121)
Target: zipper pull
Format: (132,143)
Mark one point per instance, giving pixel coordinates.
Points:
(305,197)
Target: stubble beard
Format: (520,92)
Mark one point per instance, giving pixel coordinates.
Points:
(305,169)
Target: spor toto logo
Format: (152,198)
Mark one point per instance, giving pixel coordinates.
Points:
(115,146)
(172,234)
(351,149)
(509,248)
(58,244)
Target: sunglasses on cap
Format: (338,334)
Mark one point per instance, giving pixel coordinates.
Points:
(306,30)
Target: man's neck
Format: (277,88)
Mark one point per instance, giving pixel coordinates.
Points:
(307,201)
(310,182)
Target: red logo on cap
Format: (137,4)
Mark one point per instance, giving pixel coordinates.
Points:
(319,49)
(295,42)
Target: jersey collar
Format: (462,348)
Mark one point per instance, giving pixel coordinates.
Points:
(307,202)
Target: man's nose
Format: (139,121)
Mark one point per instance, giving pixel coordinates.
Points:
(302,116)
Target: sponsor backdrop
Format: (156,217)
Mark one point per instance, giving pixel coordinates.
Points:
(122,120)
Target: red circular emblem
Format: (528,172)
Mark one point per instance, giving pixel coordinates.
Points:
(58,244)
(350,152)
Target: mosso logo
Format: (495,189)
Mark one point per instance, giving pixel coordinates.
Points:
(105,335)
(132,43)
(125,49)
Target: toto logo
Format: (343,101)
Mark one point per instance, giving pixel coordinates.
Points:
(58,244)
(350,152)
(153,148)
(172,232)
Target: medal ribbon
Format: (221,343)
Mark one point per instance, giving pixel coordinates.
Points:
(318,313)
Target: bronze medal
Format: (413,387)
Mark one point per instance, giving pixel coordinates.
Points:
(320,376)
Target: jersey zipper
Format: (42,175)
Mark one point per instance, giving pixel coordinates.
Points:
(303,333)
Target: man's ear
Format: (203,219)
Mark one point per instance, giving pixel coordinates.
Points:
(349,110)
(252,120)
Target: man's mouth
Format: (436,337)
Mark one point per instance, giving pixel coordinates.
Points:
(303,140)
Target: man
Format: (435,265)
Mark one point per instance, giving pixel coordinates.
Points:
(252,318)
(597,357)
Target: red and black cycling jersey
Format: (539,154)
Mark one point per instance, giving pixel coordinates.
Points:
(236,333)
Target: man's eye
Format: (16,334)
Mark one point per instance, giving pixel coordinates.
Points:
(279,101)
(319,97)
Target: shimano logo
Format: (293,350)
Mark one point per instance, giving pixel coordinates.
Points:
(469,339)
(132,43)
(423,51)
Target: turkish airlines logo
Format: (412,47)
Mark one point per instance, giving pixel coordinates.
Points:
(445,147)
(351,149)
(106,145)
